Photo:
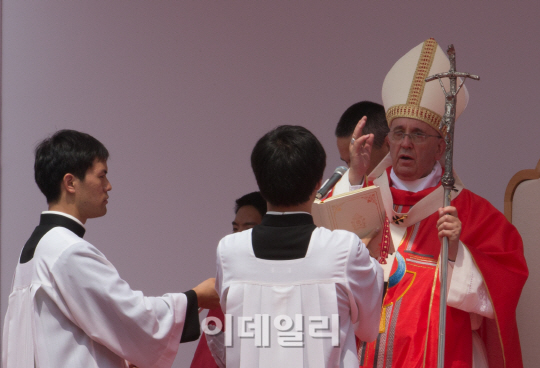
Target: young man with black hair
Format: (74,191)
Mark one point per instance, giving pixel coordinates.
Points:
(375,124)
(249,210)
(210,353)
(68,306)
(295,293)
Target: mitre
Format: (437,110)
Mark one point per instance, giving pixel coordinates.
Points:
(405,92)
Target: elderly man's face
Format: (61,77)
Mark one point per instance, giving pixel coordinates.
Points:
(411,160)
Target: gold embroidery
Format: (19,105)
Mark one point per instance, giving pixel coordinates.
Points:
(417,265)
(422,69)
(423,259)
(382,324)
(412,109)
(429,313)
(415,112)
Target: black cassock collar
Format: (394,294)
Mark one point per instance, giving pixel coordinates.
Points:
(46,223)
(282,237)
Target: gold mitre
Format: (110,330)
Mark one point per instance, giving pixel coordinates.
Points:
(406,94)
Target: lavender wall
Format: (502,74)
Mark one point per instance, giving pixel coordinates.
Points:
(179,91)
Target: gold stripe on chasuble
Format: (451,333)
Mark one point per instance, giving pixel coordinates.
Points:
(435,274)
(381,345)
(382,323)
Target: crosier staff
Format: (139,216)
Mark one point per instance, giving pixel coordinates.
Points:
(447,121)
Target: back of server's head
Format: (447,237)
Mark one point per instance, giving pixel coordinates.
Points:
(66,151)
(288,163)
(376,121)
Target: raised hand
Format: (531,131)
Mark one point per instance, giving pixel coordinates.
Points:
(360,153)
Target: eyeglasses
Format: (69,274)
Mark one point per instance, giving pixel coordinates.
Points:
(397,136)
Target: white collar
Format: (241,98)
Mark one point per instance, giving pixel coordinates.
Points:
(63,214)
(431,180)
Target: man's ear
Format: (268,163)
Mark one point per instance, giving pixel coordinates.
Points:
(440,149)
(69,183)
(386,144)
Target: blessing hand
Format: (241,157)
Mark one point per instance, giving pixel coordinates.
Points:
(360,153)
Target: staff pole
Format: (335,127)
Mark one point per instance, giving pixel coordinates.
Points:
(448,122)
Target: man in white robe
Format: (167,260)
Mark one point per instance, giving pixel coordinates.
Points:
(68,306)
(295,295)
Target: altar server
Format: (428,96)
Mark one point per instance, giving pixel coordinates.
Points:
(249,211)
(295,295)
(68,306)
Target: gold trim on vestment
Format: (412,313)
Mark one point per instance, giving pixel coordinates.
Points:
(426,267)
(382,323)
(429,313)
(401,296)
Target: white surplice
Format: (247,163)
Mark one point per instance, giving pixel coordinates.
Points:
(70,308)
(336,277)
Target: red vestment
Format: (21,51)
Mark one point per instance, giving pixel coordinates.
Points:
(410,315)
(203,357)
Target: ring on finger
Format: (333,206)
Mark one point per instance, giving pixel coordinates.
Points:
(352,140)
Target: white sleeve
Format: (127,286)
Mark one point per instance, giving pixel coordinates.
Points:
(219,279)
(466,290)
(144,330)
(365,281)
(343,185)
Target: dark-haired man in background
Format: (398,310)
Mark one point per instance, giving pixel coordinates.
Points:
(376,124)
(210,353)
(322,284)
(68,306)
(249,210)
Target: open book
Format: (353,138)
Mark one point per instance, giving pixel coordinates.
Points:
(359,211)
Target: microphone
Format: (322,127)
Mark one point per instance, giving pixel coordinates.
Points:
(329,184)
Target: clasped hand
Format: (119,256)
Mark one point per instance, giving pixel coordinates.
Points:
(449,226)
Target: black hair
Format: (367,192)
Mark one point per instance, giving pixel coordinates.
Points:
(376,121)
(66,151)
(254,199)
(288,162)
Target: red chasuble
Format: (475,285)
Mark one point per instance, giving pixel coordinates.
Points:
(410,314)
(203,357)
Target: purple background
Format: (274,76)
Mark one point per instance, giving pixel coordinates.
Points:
(179,92)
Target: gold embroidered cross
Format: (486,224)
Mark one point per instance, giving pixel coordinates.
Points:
(398,219)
